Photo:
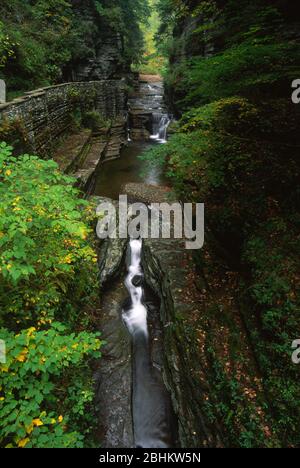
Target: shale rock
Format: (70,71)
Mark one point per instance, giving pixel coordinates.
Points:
(45,115)
(114,376)
(111,251)
(148,194)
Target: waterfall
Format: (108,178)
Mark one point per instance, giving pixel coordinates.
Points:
(128,135)
(160,124)
(136,316)
(150,402)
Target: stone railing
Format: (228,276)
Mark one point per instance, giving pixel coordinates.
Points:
(43,116)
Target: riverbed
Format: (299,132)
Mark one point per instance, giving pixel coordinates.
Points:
(114,174)
(134,406)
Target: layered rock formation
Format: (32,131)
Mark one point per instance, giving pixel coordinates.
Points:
(114,376)
(105,58)
(82,153)
(145,105)
(202,326)
(45,115)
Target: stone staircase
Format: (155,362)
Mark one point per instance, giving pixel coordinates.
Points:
(82,154)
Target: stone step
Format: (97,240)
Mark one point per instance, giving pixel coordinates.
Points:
(94,156)
(71,149)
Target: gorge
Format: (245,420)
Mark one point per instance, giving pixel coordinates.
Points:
(141,342)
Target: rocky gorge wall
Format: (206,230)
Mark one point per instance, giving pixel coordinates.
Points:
(104,48)
(41,117)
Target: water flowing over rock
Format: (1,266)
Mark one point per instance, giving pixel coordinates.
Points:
(148,117)
(167,267)
(160,126)
(150,401)
(169,270)
(114,377)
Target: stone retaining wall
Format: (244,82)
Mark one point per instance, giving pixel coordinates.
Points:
(44,115)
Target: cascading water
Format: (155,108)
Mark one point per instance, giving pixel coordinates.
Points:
(161,123)
(150,402)
(136,316)
(136,409)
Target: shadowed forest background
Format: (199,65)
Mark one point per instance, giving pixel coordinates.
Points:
(228,66)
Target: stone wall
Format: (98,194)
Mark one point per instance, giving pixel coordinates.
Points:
(43,116)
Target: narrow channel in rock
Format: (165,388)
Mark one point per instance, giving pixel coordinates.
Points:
(150,402)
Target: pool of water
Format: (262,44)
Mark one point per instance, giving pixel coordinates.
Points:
(128,168)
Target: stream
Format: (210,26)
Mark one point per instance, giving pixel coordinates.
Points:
(118,172)
(135,407)
(151,405)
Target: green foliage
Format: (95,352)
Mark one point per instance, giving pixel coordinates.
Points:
(41,405)
(35,199)
(94,121)
(272,253)
(153,61)
(42,42)
(237,150)
(231,72)
(227,404)
(223,154)
(42,36)
(48,275)
(6,47)
(13,130)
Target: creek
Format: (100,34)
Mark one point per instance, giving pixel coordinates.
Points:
(135,407)
(128,168)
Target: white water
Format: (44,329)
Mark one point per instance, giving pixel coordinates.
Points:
(161,123)
(150,402)
(136,317)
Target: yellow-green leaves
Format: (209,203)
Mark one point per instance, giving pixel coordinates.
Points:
(44,234)
(30,406)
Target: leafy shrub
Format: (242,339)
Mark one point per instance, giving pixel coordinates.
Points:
(271,65)
(48,276)
(272,253)
(36,408)
(237,150)
(94,121)
(43,239)
(233,114)
(226,153)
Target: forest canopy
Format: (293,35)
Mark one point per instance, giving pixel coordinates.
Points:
(43,41)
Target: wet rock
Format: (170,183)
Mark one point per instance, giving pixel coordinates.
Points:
(105,54)
(114,376)
(167,266)
(127,304)
(137,281)
(111,255)
(117,139)
(111,252)
(146,101)
(148,193)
